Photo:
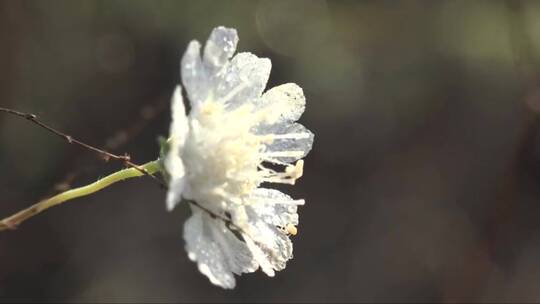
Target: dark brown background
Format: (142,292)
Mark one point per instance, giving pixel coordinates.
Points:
(423,183)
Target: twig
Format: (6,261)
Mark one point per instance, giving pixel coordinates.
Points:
(147,114)
(214,215)
(126,159)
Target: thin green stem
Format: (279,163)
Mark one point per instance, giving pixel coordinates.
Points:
(16,219)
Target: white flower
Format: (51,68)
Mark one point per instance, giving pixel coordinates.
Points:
(234,139)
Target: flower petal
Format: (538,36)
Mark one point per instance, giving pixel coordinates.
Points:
(275,207)
(289,142)
(275,245)
(259,255)
(243,80)
(218,252)
(220,47)
(267,211)
(194,75)
(177,137)
(284,103)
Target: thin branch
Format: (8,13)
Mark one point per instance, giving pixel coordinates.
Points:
(227,221)
(147,114)
(126,159)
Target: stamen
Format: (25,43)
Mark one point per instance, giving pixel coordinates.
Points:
(289,229)
(284,153)
(275,161)
(280,180)
(299,202)
(297,171)
(291,136)
(291,174)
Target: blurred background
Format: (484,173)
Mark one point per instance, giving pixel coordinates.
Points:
(423,183)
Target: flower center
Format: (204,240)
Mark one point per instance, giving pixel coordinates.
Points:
(221,155)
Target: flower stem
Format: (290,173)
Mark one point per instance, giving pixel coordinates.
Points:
(13,221)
